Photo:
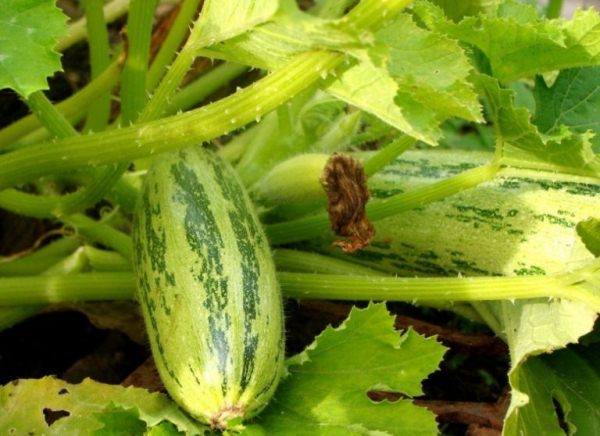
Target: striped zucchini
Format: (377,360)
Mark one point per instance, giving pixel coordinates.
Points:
(207,287)
(520,223)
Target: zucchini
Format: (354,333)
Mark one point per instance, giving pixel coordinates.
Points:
(523,222)
(207,287)
(520,223)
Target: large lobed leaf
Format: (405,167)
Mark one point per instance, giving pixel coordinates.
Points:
(325,391)
(223,20)
(29,30)
(567,380)
(572,100)
(408,76)
(517,42)
(411,78)
(87,408)
(522,144)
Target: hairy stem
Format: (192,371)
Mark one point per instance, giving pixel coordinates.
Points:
(73,108)
(318,224)
(168,49)
(581,285)
(99,112)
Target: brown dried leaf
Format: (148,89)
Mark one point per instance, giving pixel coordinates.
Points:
(345,183)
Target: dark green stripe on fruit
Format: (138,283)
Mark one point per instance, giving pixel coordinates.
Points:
(204,238)
(247,237)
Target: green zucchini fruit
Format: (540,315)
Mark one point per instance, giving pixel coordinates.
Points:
(207,287)
(522,222)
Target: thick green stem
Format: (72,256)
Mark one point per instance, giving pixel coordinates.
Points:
(303,261)
(171,133)
(579,286)
(203,86)
(318,224)
(52,205)
(554,8)
(49,116)
(71,264)
(49,206)
(99,112)
(72,108)
(105,260)
(168,49)
(63,288)
(337,287)
(102,233)
(133,82)
(39,260)
(78,30)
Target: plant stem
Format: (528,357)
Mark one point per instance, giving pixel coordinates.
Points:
(203,86)
(39,260)
(78,30)
(581,285)
(73,108)
(554,8)
(49,116)
(99,112)
(63,288)
(71,264)
(105,260)
(337,287)
(303,261)
(179,29)
(308,262)
(387,154)
(133,82)
(315,225)
(339,135)
(171,133)
(102,233)
(234,149)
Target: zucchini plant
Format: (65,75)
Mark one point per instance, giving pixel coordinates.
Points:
(208,212)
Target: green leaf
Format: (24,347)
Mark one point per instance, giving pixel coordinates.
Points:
(457,10)
(412,78)
(520,44)
(289,32)
(416,78)
(89,407)
(29,30)
(118,421)
(568,378)
(221,20)
(325,392)
(589,232)
(522,144)
(573,100)
(534,327)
